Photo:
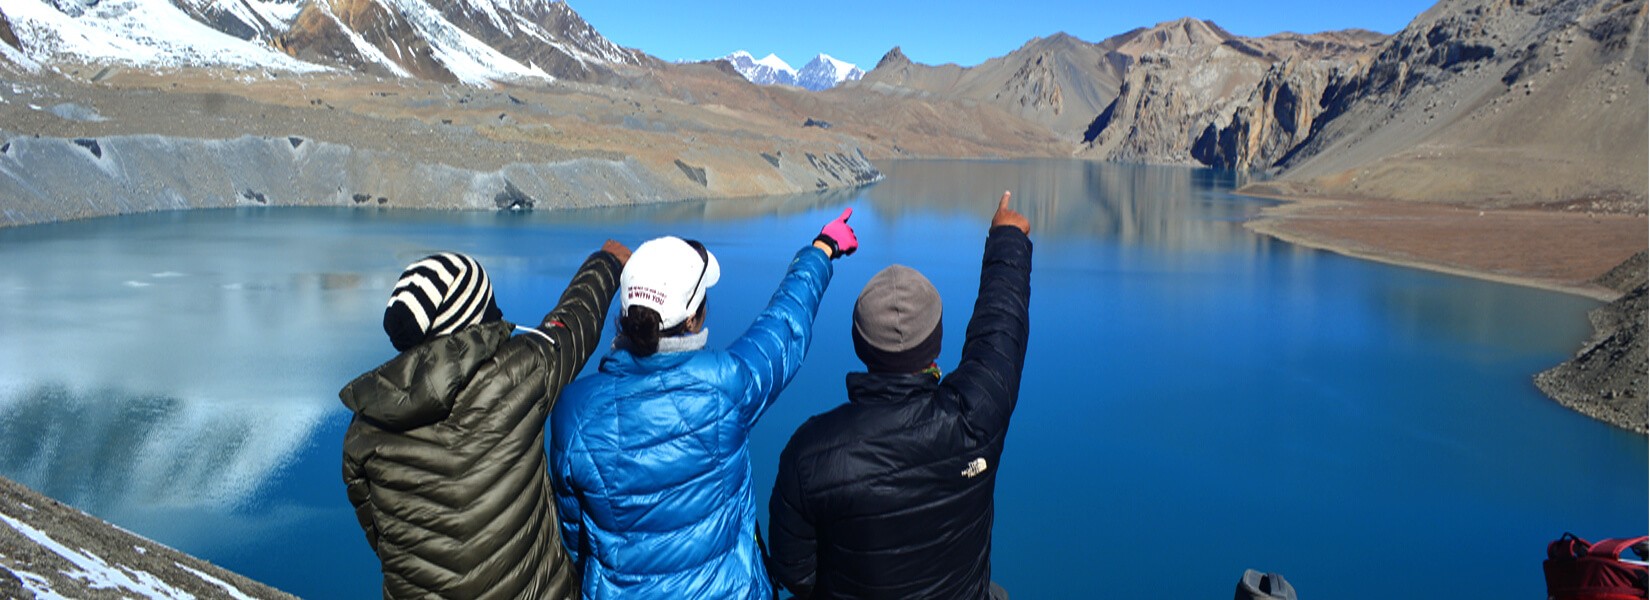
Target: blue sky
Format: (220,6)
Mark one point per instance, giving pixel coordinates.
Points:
(966,32)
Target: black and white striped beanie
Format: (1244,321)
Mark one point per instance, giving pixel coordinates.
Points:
(438,295)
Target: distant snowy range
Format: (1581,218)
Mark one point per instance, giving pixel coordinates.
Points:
(823,72)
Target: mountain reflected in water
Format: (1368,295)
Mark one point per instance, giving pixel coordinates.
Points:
(115,453)
(1168,207)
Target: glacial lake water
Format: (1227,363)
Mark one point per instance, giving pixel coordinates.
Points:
(1197,400)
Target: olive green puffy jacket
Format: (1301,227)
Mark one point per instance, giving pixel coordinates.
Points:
(444,460)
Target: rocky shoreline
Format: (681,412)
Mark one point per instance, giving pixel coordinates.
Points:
(51,550)
(1606,378)
(1559,250)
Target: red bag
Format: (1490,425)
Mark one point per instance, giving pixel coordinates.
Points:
(1580,570)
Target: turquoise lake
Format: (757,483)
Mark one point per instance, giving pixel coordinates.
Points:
(1197,400)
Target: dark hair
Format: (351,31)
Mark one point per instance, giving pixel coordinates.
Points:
(640,328)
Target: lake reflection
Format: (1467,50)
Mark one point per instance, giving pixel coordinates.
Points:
(1198,400)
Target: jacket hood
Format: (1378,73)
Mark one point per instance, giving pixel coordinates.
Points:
(417,387)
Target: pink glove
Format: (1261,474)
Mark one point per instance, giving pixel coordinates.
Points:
(839,236)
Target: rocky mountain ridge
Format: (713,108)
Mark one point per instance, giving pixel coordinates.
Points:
(1059,82)
(1186,74)
(821,73)
(824,72)
(1194,81)
(1476,101)
(474,42)
(1491,102)
(768,70)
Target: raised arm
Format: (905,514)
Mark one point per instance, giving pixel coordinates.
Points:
(986,381)
(771,351)
(574,326)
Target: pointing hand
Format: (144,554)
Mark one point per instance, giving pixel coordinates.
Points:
(839,236)
(1008,216)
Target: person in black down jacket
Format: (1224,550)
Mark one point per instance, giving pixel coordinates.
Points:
(444,460)
(890,494)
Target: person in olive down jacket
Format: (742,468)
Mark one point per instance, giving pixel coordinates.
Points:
(444,460)
(650,455)
(890,495)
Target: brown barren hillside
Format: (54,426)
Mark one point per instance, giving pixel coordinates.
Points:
(1477,108)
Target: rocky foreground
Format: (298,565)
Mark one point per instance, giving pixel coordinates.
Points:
(50,550)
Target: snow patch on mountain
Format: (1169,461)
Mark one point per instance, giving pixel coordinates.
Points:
(89,567)
(365,48)
(469,59)
(152,33)
(586,42)
(478,42)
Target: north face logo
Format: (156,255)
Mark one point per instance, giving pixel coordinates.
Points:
(975,467)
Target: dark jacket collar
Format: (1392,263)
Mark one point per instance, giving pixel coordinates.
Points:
(418,387)
(890,388)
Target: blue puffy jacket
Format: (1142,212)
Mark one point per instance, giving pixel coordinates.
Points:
(650,456)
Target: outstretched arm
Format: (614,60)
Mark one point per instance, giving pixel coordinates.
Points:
(574,326)
(771,351)
(987,379)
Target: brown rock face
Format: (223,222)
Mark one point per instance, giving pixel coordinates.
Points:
(548,34)
(1277,116)
(321,34)
(893,59)
(7,35)
(1059,82)
(1493,103)
(1033,87)
(1199,95)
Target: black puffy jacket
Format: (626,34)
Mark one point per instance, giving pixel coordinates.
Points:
(444,460)
(890,495)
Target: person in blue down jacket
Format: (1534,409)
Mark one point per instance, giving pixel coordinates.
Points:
(649,456)
(891,494)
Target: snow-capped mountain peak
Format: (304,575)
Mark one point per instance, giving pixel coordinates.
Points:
(824,72)
(770,70)
(773,61)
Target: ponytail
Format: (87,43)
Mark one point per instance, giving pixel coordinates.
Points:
(640,328)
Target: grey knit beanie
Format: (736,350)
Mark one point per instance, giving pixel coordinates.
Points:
(897,321)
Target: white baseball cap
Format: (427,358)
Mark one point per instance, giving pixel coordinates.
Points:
(670,276)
